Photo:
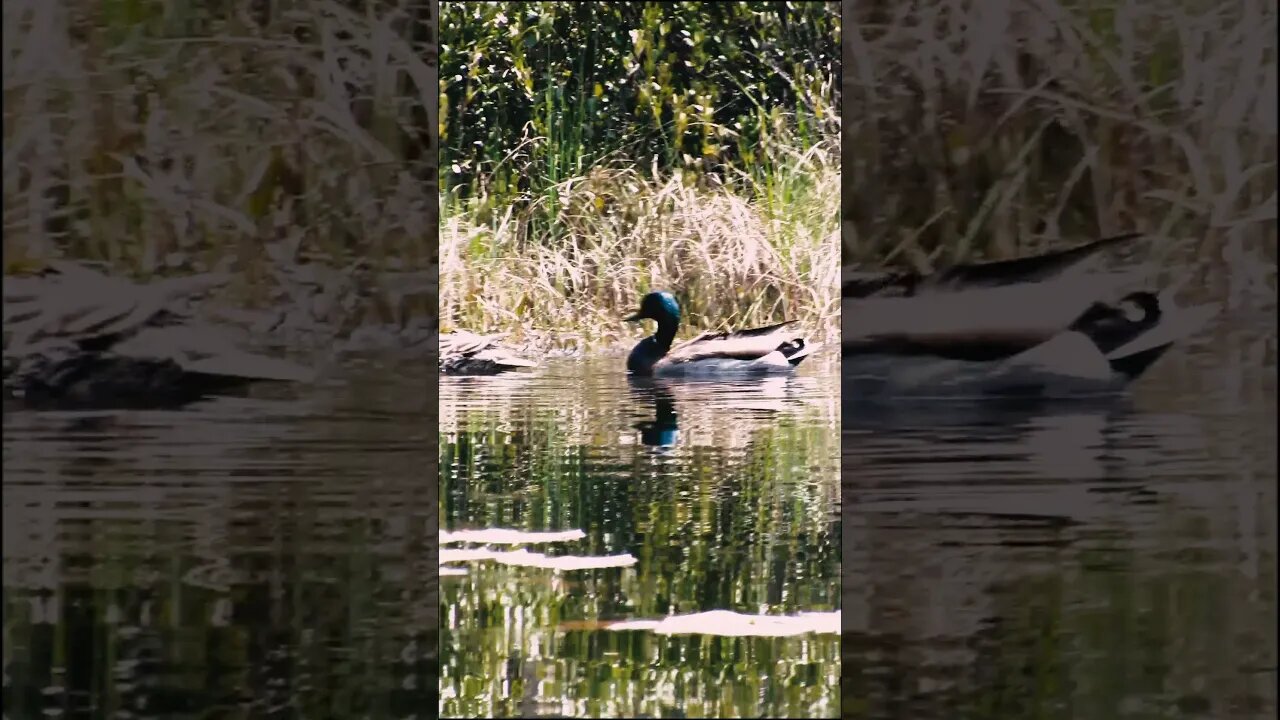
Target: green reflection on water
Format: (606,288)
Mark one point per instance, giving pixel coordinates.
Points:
(732,504)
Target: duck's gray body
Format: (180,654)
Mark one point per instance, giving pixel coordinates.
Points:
(1039,325)
(1071,363)
(77,338)
(756,351)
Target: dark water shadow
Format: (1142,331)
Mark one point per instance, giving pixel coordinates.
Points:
(163,562)
(663,430)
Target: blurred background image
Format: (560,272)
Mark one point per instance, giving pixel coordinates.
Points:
(219,247)
(1072,557)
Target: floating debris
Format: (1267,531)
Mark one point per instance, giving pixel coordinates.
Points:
(524,558)
(502,536)
(521,558)
(727,623)
(468,555)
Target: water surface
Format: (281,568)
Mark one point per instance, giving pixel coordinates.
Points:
(726,495)
(1101,559)
(269,556)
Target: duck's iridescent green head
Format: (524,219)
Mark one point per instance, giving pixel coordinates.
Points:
(660,306)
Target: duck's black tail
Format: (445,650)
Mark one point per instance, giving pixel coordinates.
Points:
(796,350)
(1138,330)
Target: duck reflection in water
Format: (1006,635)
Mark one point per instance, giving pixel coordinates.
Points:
(663,430)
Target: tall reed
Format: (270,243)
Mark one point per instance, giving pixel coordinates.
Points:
(169,136)
(977,129)
(684,146)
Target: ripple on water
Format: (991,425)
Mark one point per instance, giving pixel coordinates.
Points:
(1092,555)
(254,528)
(725,494)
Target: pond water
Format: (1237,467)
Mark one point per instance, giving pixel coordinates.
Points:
(724,495)
(266,556)
(275,555)
(1112,559)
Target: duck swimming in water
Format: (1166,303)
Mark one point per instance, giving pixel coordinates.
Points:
(466,353)
(78,338)
(1020,324)
(770,349)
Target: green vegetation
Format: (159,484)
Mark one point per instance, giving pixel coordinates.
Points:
(595,151)
(992,129)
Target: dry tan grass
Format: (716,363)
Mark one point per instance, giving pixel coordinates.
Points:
(620,234)
(181,136)
(993,129)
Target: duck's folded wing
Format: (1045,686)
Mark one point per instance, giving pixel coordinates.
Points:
(481,348)
(464,343)
(750,344)
(873,283)
(500,356)
(210,350)
(1036,268)
(766,331)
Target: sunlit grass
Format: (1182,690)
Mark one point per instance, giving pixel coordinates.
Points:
(622,233)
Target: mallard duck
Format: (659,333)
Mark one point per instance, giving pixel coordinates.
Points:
(1002,323)
(76,338)
(465,353)
(775,348)
(152,370)
(73,301)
